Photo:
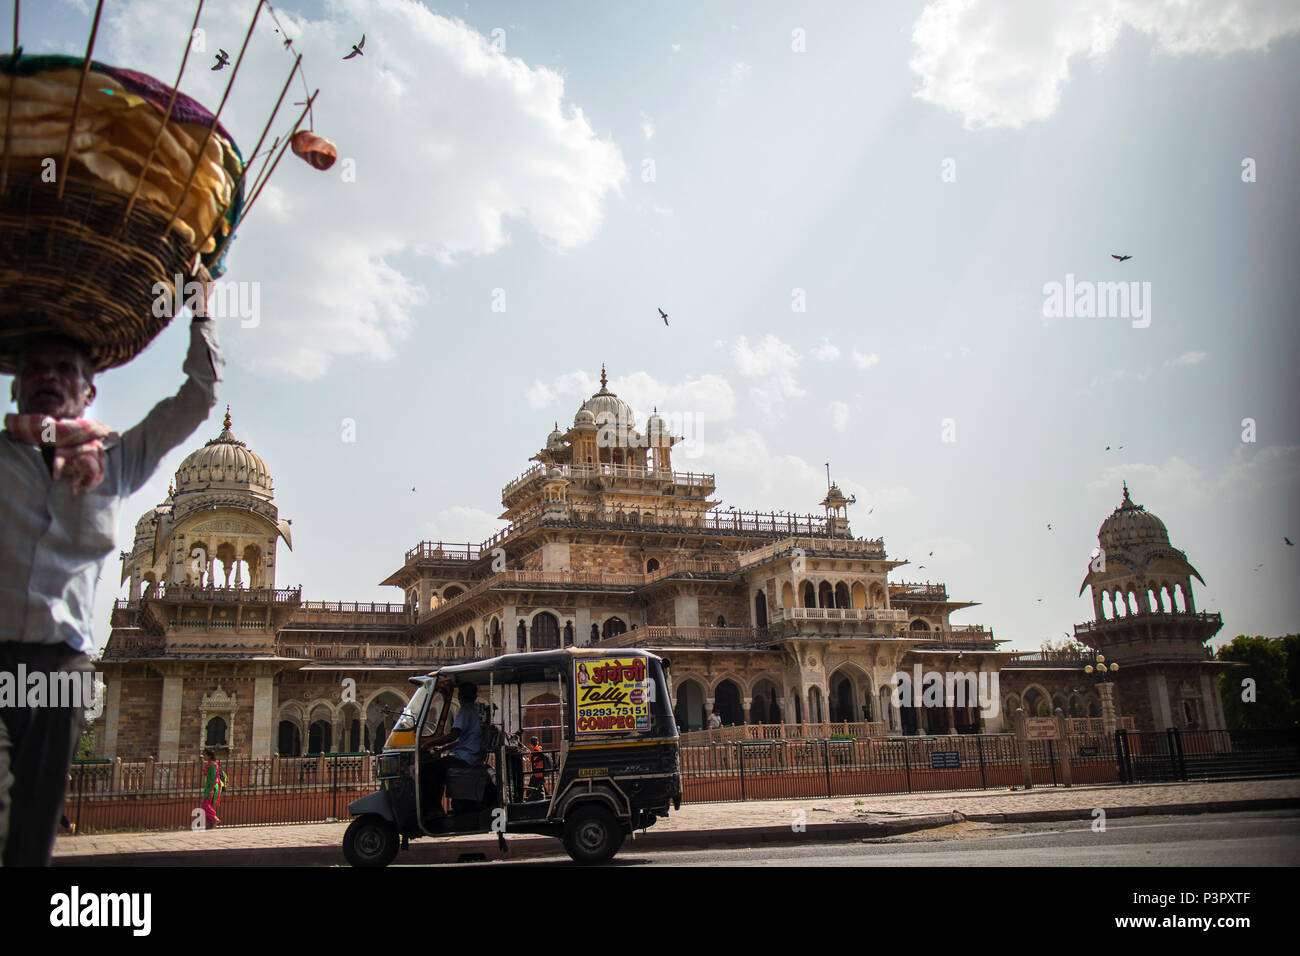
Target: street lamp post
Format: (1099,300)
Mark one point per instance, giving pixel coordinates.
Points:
(1102,672)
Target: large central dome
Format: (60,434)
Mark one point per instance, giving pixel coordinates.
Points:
(606,403)
(224,464)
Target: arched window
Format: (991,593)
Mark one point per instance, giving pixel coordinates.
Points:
(318,737)
(613,627)
(722,621)
(215,734)
(521,636)
(290,740)
(652,565)
(568,633)
(809,594)
(760,609)
(842,595)
(825,596)
(546,632)
(919,625)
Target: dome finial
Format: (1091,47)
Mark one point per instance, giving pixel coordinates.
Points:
(1126,497)
(603,380)
(226,423)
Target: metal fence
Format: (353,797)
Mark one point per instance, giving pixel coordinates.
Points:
(784,769)
(112,795)
(106,795)
(1149,756)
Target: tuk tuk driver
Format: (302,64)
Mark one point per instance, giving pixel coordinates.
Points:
(467,735)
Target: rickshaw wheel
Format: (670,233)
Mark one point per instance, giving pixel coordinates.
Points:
(592,835)
(370,840)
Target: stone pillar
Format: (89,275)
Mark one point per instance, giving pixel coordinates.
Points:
(746,703)
(426,595)
(107,747)
(582,624)
(1107,691)
(952,719)
(263,712)
(169,735)
(686,610)
(1160,712)
(1209,693)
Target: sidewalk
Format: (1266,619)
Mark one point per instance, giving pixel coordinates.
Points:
(696,826)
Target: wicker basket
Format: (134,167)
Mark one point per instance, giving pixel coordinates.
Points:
(71,266)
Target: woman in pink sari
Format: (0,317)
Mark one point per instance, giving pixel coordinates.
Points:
(213,784)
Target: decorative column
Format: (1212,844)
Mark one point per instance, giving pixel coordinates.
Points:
(169,735)
(1107,691)
(107,747)
(262,713)
(746,703)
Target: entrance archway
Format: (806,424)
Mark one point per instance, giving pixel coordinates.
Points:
(689,711)
(760,609)
(726,704)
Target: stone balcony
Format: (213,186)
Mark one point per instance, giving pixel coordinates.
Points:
(530,480)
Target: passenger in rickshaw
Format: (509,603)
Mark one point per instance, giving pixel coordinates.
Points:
(537,776)
(467,735)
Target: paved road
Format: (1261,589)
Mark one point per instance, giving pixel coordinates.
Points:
(1214,840)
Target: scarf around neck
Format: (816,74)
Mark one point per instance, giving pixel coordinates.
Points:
(77,442)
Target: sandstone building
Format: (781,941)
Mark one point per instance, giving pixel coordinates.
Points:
(768,618)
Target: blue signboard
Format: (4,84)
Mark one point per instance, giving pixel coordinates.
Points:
(945,760)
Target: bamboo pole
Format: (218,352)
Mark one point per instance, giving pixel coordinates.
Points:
(62,170)
(167,115)
(194,167)
(9,106)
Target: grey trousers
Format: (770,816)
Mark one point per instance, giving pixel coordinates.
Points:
(36,749)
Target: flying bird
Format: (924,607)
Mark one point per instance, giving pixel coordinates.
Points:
(356,48)
(930,555)
(1120,258)
(1040,600)
(663,315)
(1289,542)
(1049,527)
(222,59)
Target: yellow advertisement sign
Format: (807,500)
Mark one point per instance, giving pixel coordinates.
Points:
(612,695)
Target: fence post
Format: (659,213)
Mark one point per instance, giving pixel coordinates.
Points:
(979,749)
(334,788)
(1176,753)
(826,747)
(1065,746)
(740,758)
(1124,768)
(148,774)
(907,765)
(1022,741)
(115,786)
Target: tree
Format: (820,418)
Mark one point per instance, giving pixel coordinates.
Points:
(1273,664)
(86,746)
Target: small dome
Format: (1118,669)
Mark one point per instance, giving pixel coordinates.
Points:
(1131,526)
(145,527)
(555,439)
(584,417)
(224,463)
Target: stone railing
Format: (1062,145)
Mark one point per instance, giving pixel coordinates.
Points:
(1151,617)
(1067,657)
(414,654)
(846,547)
(673,636)
(889,614)
(721,564)
(1095,725)
(176,592)
(969,636)
(537,473)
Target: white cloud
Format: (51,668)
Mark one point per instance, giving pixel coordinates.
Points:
(774,362)
(677,48)
(1187,358)
(1119,375)
(733,81)
(647,126)
(865,362)
(826,352)
(451,142)
(1005,63)
(839,416)
(751,475)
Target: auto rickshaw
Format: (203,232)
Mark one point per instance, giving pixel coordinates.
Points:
(603,718)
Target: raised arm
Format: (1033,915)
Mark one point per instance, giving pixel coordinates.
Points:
(174,419)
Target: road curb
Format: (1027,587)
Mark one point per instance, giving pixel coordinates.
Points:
(527,847)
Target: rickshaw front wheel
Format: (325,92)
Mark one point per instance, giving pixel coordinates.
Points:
(592,835)
(370,840)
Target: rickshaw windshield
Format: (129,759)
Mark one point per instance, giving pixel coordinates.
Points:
(411,712)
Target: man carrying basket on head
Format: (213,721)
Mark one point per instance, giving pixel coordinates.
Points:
(64,478)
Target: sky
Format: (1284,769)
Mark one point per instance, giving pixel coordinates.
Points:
(863,221)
